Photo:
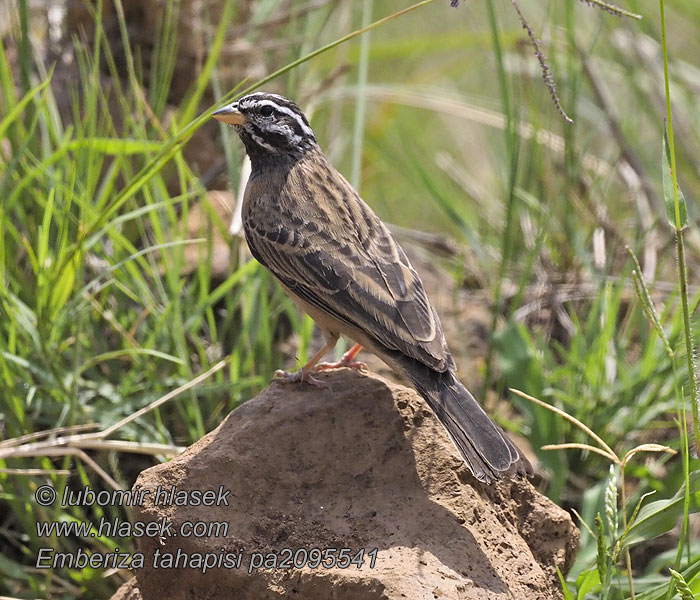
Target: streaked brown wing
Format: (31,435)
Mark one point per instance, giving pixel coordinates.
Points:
(345,262)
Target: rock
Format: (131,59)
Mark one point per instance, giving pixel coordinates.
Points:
(363,466)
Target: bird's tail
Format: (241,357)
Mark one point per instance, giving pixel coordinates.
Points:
(484,446)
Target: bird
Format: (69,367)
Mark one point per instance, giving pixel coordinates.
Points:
(340,264)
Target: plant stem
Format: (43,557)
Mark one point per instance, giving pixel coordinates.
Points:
(511,142)
(682,270)
(628,559)
(683,277)
(361,102)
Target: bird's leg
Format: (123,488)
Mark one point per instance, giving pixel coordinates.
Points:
(348,361)
(304,374)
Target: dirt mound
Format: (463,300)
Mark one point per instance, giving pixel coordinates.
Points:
(365,466)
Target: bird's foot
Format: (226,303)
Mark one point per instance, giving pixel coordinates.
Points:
(348,361)
(343,363)
(299,376)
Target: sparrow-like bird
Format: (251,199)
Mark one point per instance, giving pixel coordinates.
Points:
(341,265)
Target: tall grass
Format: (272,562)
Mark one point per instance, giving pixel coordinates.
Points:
(448,128)
(600,563)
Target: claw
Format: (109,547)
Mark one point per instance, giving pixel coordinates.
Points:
(348,361)
(348,364)
(299,376)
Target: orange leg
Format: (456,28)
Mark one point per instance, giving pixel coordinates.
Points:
(304,374)
(347,361)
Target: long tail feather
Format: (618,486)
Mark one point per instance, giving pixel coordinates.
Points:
(486,449)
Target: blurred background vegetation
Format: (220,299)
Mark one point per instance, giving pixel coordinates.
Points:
(119,281)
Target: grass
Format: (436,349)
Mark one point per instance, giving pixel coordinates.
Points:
(100,319)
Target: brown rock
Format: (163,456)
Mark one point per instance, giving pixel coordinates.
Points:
(363,466)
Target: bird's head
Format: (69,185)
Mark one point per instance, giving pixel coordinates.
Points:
(270,126)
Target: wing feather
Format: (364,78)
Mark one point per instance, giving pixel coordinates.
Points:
(340,258)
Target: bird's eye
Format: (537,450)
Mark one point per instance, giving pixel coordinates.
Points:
(266,111)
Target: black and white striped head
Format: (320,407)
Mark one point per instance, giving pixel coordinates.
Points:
(270,127)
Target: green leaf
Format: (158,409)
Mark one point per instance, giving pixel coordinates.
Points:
(656,518)
(564,588)
(587,582)
(633,518)
(669,197)
(11,569)
(128,353)
(17,109)
(115,146)
(63,286)
(660,591)
(42,251)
